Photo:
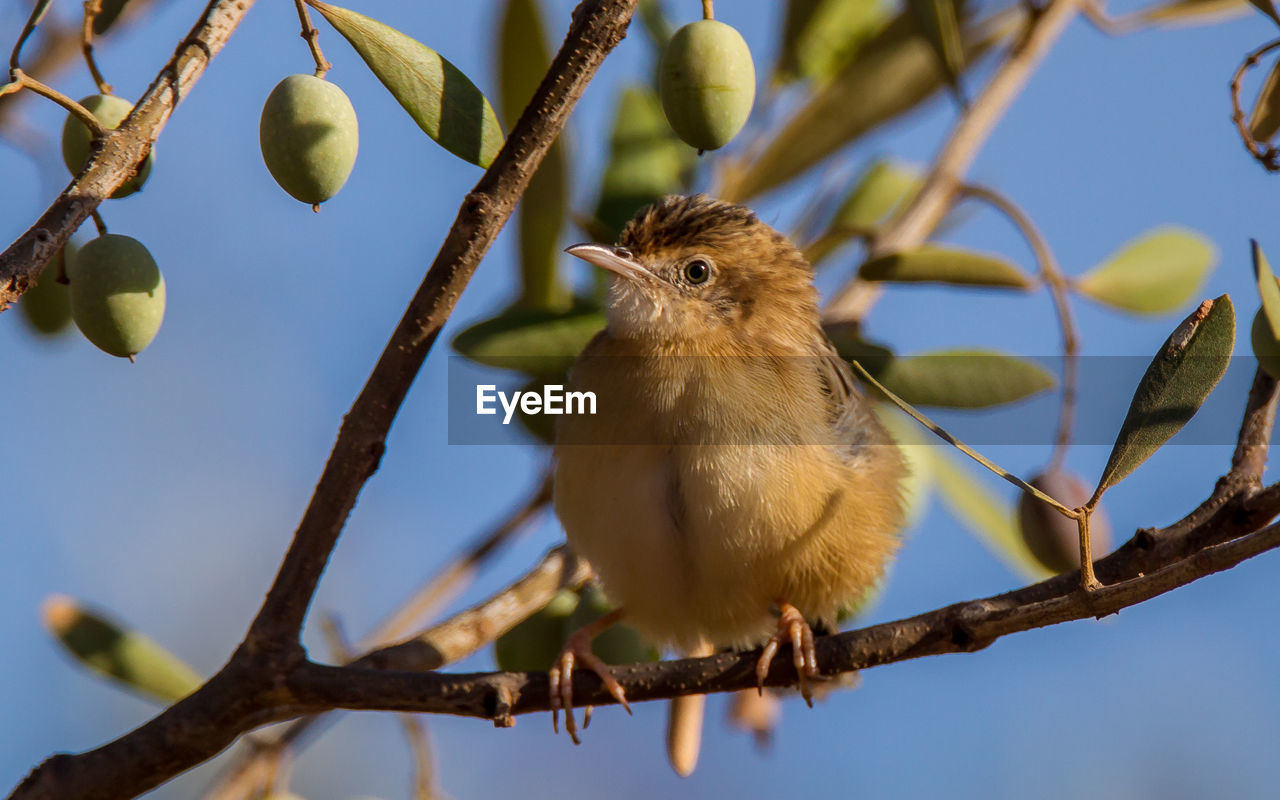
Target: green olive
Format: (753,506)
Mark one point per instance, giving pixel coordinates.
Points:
(117,294)
(1265,346)
(707,82)
(110,111)
(620,644)
(1053,539)
(46,305)
(533,645)
(309,137)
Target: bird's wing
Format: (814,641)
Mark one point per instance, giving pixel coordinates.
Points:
(853,423)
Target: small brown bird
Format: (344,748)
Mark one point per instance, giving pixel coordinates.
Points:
(733,484)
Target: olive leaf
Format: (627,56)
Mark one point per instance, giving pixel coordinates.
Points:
(879,193)
(941,24)
(538,342)
(940,264)
(984,514)
(893,72)
(849,343)
(820,36)
(646,160)
(107,15)
(442,100)
(123,655)
(1268,288)
(1186,11)
(523,57)
(1179,379)
(964,378)
(1266,7)
(1264,120)
(1155,273)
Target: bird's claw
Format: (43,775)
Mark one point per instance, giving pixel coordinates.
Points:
(578,649)
(792,629)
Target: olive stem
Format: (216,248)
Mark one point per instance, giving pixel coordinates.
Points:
(91,10)
(23,80)
(708,9)
(99,222)
(312,36)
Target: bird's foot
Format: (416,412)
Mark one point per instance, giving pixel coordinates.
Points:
(577,650)
(793,630)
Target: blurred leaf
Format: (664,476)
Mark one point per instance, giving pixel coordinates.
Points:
(1266,7)
(1268,288)
(107,15)
(537,342)
(937,264)
(646,160)
(820,36)
(1265,119)
(917,450)
(964,378)
(1179,379)
(534,644)
(1157,272)
(879,193)
(443,101)
(1190,11)
(848,341)
(620,643)
(893,72)
(656,24)
(123,655)
(941,24)
(984,514)
(523,58)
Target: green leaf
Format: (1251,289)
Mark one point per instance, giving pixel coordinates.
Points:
(442,100)
(964,378)
(523,58)
(917,451)
(1179,379)
(120,654)
(107,15)
(821,36)
(1268,288)
(656,24)
(937,264)
(1157,272)
(893,72)
(646,160)
(984,514)
(1264,121)
(1189,11)
(941,25)
(537,342)
(1266,7)
(848,341)
(878,194)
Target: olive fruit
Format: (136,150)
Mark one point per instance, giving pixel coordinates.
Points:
(1053,539)
(45,305)
(1265,346)
(707,82)
(309,137)
(620,644)
(117,294)
(533,645)
(76,138)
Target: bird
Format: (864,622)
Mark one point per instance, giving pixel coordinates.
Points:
(734,487)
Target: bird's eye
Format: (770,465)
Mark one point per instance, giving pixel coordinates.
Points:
(697,271)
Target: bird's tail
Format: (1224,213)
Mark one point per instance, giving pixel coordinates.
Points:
(684,724)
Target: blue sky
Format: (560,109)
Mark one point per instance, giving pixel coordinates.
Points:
(166,491)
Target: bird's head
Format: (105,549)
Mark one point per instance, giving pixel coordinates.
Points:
(696,268)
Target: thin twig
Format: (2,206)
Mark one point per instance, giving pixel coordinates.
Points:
(33,20)
(312,36)
(1059,291)
(1265,154)
(99,222)
(708,9)
(24,81)
(91,10)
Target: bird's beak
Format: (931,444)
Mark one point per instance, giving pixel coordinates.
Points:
(615,259)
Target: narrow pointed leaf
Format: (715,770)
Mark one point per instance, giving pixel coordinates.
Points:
(107,15)
(937,264)
(893,72)
(849,343)
(1264,121)
(123,655)
(1179,379)
(964,378)
(523,57)
(442,100)
(1155,273)
(1267,7)
(820,36)
(941,24)
(537,342)
(984,514)
(1268,288)
(646,160)
(878,194)
(1189,12)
